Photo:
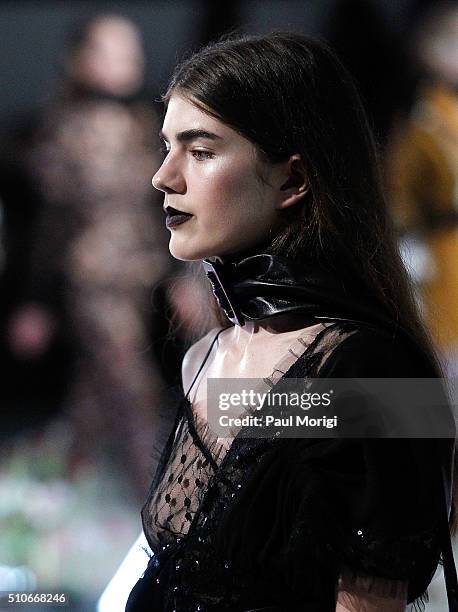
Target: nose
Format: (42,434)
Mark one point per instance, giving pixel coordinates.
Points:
(168,178)
(157,182)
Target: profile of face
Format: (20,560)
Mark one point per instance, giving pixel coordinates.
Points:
(111,57)
(220,197)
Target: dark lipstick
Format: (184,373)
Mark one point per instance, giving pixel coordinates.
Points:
(176,217)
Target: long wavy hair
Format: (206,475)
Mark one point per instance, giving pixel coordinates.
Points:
(289,94)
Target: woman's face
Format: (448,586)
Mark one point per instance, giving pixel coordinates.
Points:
(211,173)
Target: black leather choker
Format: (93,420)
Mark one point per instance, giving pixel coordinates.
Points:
(262,285)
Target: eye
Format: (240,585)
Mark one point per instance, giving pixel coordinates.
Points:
(202,155)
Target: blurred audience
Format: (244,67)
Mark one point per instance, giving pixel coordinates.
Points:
(423,178)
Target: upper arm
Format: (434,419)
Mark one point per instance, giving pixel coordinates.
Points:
(362,593)
(370,594)
(194,357)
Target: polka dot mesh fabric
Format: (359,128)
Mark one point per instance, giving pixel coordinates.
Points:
(184,474)
(179,493)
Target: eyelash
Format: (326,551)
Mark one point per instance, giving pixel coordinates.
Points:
(206,154)
(195,153)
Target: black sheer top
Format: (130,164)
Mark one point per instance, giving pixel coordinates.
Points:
(271,523)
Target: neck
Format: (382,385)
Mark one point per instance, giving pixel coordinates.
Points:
(265,294)
(258,335)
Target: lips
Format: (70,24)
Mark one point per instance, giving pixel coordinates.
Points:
(175,216)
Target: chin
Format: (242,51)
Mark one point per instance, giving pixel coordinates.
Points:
(186,253)
(183,249)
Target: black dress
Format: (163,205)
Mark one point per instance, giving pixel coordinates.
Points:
(273,523)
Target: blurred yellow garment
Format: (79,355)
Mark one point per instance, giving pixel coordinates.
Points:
(422,175)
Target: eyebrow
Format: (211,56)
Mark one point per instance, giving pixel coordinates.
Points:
(188,135)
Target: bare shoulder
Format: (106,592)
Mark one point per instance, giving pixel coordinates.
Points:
(194,357)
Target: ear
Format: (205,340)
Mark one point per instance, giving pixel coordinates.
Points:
(296,185)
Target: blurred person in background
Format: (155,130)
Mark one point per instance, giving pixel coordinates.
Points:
(422,168)
(96,252)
